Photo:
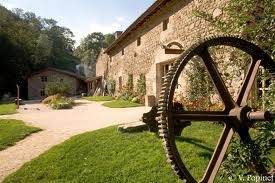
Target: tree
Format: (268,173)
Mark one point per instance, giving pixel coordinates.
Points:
(108,40)
(29,43)
(90,47)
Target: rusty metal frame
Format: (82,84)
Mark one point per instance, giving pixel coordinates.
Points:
(237,116)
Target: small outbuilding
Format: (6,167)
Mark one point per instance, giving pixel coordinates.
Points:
(38,81)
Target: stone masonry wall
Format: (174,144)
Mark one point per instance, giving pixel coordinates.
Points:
(183,28)
(101,64)
(35,85)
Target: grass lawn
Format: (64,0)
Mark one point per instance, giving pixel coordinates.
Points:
(99,98)
(107,155)
(12,131)
(7,109)
(121,104)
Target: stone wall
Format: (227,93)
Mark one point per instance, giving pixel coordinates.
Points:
(149,57)
(35,85)
(101,65)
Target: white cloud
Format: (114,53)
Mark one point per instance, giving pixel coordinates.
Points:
(120,19)
(116,25)
(96,27)
(8,4)
(78,35)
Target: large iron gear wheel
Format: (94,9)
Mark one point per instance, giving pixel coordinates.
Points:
(232,113)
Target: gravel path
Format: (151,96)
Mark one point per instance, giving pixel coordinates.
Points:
(58,126)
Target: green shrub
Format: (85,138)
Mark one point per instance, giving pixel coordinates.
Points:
(130,83)
(59,102)
(64,105)
(125,94)
(127,91)
(99,98)
(240,155)
(135,100)
(53,88)
(141,88)
(48,99)
(111,86)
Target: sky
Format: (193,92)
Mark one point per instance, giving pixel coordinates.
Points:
(85,16)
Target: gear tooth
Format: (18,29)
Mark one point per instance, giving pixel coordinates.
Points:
(163,96)
(169,152)
(162,126)
(164,143)
(161,112)
(165,87)
(163,130)
(169,75)
(162,105)
(161,119)
(169,161)
(162,108)
(163,135)
(165,84)
(172,70)
(175,167)
(162,122)
(158,118)
(162,101)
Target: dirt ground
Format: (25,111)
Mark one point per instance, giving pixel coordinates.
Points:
(58,126)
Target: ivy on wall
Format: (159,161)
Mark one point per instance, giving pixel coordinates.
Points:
(199,86)
(141,85)
(254,21)
(111,86)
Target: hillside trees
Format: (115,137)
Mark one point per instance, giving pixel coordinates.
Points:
(29,43)
(90,47)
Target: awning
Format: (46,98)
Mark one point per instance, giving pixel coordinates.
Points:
(91,79)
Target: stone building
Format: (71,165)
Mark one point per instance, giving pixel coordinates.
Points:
(153,42)
(38,81)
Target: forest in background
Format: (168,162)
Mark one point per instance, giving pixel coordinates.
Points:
(29,43)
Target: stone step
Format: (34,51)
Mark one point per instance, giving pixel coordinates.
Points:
(137,126)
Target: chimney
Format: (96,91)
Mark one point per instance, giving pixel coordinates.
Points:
(117,34)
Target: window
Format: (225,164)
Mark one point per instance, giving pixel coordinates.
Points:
(61,80)
(165,24)
(42,93)
(138,41)
(44,79)
(122,51)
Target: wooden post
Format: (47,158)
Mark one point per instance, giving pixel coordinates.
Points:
(17,98)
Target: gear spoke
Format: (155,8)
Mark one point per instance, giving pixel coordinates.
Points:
(217,79)
(248,82)
(218,154)
(201,115)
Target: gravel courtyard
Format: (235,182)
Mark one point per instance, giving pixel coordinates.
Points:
(58,126)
